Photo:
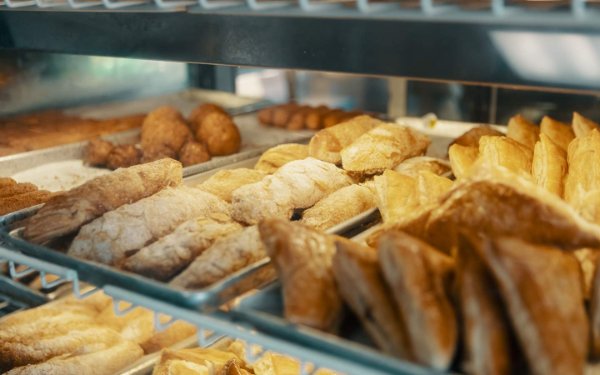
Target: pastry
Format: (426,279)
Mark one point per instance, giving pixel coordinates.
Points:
(192,153)
(595,313)
(582,126)
(523,131)
(192,361)
(67,212)
(417,275)
(123,156)
(199,113)
(265,115)
(17,189)
(587,259)
(549,166)
(327,143)
(471,137)
(283,113)
(560,133)
(298,184)
(20,201)
(506,152)
(276,364)
(383,147)
(314,119)
(122,232)
(424,163)
(226,256)
(303,257)
(461,159)
(219,134)
(96,152)
(339,206)
(170,254)
(541,287)
(155,152)
(164,127)
(225,182)
(279,155)
(362,286)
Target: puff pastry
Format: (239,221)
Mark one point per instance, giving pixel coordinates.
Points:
(424,163)
(339,206)
(272,159)
(327,143)
(523,131)
(595,313)
(560,133)
(225,182)
(461,159)
(120,233)
(541,287)
(582,126)
(549,165)
(506,152)
(471,137)
(170,254)
(383,147)
(417,275)
(67,212)
(362,286)
(192,361)
(298,184)
(303,258)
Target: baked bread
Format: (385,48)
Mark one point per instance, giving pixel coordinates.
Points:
(559,132)
(192,361)
(506,152)
(192,153)
(122,232)
(424,163)
(199,113)
(471,137)
(549,166)
(164,127)
(303,258)
(275,157)
(225,182)
(298,184)
(219,134)
(582,125)
(67,212)
(417,275)
(327,143)
(383,147)
(523,131)
(461,159)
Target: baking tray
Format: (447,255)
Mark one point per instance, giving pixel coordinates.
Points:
(206,299)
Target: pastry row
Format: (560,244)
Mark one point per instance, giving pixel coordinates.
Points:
(294,116)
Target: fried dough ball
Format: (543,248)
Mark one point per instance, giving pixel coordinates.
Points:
(164,127)
(96,152)
(193,153)
(157,152)
(219,134)
(123,156)
(200,112)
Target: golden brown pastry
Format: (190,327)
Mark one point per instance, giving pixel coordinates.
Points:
(123,156)
(164,127)
(298,184)
(265,116)
(383,147)
(461,159)
(234,367)
(66,213)
(199,113)
(303,257)
(505,152)
(523,131)
(192,361)
(297,120)
(314,119)
(96,152)
(547,314)
(192,153)
(582,126)
(595,313)
(219,134)
(283,113)
(21,201)
(339,206)
(276,364)
(362,286)
(6,181)
(275,157)
(424,163)
(559,132)
(170,254)
(122,232)
(549,166)
(225,182)
(327,143)
(227,255)
(156,152)
(333,117)
(471,137)
(17,189)
(417,275)
(587,261)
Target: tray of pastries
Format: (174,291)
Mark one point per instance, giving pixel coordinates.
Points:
(493,270)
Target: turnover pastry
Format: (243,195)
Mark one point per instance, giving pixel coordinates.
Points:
(461,159)
(560,133)
(383,147)
(298,184)
(275,157)
(303,258)
(417,164)
(225,182)
(471,137)
(541,287)
(122,232)
(67,212)
(418,276)
(523,131)
(327,143)
(582,125)
(506,152)
(549,165)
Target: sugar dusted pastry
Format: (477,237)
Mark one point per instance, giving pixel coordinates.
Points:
(549,166)
(523,131)
(298,184)
(471,137)
(461,159)
(559,132)
(339,206)
(383,147)
(303,259)
(418,276)
(582,125)
(541,287)
(424,163)
(67,212)
(275,157)
(122,232)
(170,254)
(225,182)
(505,152)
